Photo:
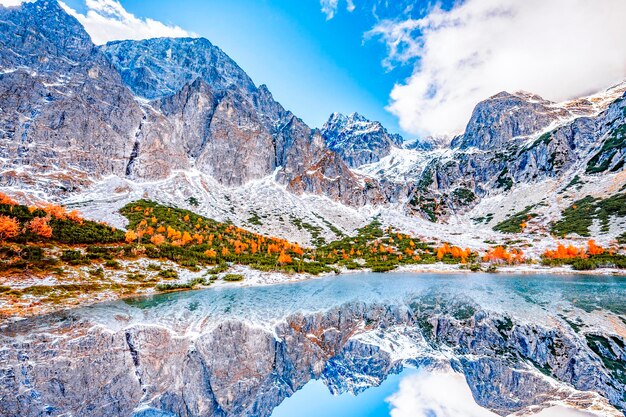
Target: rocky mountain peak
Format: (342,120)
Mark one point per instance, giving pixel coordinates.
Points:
(504,116)
(357,139)
(47,32)
(158,67)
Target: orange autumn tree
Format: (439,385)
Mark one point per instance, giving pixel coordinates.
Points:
(157,239)
(9,227)
(594,249)
(500,255)
(284,258)
(186,238)
(55,210)
(5,199)
(565,252)
(453,251)
(131,236)
(572,252)
(40,227)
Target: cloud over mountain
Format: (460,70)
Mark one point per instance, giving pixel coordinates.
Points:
(107,20)
(559,49)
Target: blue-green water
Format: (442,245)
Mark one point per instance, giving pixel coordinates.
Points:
(524,296)
(575,304)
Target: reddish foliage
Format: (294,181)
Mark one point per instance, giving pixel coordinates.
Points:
(500,255)
(5,199)
(40,226)
(9,227)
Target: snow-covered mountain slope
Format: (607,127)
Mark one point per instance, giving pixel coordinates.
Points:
(142,110)
(177,118)
(512,147)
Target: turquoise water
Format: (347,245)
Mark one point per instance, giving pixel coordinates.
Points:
(524,296)
(581,300)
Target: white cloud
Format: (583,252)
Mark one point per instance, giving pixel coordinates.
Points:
(329,7)
(441,394)
(446,394)
(559,49)
(11,3)
(107,20)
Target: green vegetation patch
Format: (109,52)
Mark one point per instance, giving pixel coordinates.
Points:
(483,219)
(504,180)
(579,217)
(314,231)
(541,140)
(514,223)
(233,277)
(464,196)
(255,219)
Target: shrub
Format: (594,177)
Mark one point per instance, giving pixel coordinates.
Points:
(168,273)
(113,264)
(383,267)
(97,272)
(181,285)
(233,277)
(73,257)
(223,267)
(153,267)
(583,265)
(32,253)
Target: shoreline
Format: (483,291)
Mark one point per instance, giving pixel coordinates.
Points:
(255,278)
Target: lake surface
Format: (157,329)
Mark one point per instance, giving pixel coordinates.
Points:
(365,344)
(525,296)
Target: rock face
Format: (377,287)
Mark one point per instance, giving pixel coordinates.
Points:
(521,139)
(63,105)
(140,109)
(236,369)
(504,116)
(156,68)
(358,140)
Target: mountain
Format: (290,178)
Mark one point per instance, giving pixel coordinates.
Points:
(177,119)
(358,140)
(514,140)
(156,68)
(140,110)
(164,357)
(64,106)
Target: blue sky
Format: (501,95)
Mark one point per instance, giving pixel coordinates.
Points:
(418,66)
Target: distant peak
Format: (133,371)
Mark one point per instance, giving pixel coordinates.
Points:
(47,4)
(501,94)
(335,118)
(519,94)
(356,115)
